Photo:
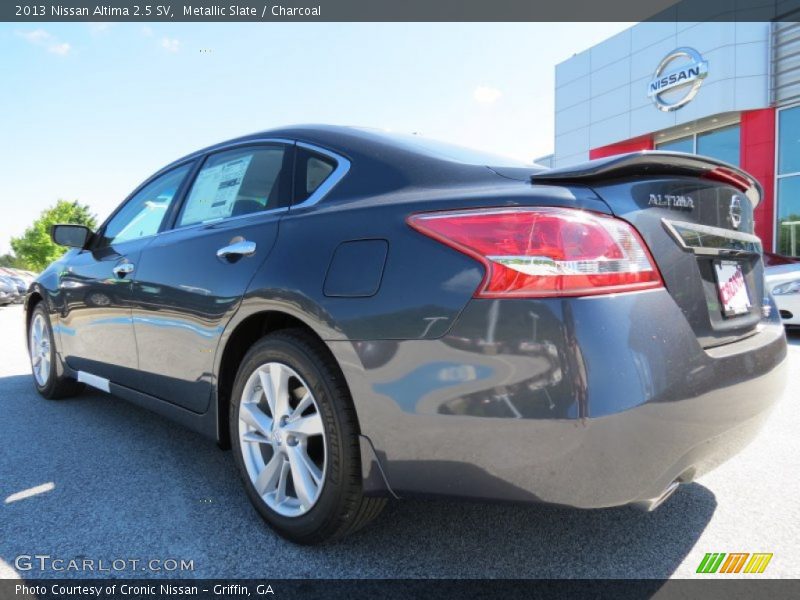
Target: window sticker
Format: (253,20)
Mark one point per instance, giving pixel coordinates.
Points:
(215,191)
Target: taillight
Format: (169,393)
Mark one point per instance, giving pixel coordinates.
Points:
(548,251)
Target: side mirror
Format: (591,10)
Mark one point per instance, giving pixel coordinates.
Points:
(71,236)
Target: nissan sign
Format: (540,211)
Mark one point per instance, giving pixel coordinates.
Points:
(677,79)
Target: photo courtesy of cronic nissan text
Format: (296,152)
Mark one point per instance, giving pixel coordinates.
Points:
(402,300)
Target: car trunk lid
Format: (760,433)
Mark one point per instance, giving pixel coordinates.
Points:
(696,216)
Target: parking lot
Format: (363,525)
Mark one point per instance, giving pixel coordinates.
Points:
(96,478)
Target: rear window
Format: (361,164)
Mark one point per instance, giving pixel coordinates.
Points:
(453,152)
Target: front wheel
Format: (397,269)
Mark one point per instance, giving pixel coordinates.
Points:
(48,375)
(295,439)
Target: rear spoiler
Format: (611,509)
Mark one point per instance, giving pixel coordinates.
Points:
(650,163)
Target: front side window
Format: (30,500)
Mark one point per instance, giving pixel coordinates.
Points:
(238,182)
(143,214)
(311,172)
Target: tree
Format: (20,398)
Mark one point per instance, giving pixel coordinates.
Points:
(10,261)
(35,250)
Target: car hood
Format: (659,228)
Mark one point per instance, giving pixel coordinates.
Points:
(781,274)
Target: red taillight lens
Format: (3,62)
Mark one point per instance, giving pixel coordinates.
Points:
(547,251)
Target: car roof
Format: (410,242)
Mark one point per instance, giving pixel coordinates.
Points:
(375,144)
(387,161)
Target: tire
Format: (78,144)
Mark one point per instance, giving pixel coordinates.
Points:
(54,384)
(339,506)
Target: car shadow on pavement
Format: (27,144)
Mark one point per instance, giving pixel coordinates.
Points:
(544,541)
(95,477)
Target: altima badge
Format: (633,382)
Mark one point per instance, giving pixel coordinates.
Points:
(671,201)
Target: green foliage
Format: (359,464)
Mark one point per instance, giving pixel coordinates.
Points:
(34,249)
(10,261)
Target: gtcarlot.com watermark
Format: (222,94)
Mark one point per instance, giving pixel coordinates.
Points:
(45,562)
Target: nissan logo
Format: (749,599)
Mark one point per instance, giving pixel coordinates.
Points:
(677,79)
(735,212)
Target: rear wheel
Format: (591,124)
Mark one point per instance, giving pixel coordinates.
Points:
(48,374)
(295,438)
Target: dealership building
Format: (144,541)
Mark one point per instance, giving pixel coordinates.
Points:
(723,89)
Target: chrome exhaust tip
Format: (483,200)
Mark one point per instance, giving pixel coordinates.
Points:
(650,504)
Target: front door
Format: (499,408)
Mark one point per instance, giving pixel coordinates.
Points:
(95,325)
(191,278)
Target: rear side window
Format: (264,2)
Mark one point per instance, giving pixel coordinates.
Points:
(311,172)
(238,182)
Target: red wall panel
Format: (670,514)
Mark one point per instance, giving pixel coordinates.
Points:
(757,157)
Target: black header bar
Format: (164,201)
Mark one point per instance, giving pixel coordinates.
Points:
(390,589)
(396,10)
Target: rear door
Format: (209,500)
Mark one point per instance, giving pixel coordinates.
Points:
(191,279)
(95,324)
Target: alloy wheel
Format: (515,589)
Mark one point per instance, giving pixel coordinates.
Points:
(282,439)
(39,344)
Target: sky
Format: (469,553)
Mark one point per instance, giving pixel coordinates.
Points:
(88,111)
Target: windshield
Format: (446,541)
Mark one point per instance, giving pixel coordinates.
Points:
(783,269)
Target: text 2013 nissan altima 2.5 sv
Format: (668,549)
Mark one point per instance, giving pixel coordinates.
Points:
(363,315)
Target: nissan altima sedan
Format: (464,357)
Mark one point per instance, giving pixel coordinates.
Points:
(363,316)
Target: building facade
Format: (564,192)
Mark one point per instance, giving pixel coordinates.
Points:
(728,90)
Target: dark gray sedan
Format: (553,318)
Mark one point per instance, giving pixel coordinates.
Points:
(363,316)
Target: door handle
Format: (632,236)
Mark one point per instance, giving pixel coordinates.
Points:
(123,269)
(242,248)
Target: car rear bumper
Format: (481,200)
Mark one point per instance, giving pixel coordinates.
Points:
(586,402)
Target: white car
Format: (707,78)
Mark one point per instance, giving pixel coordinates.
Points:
(784,283)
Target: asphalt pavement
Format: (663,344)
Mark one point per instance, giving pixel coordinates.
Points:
(95,479)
